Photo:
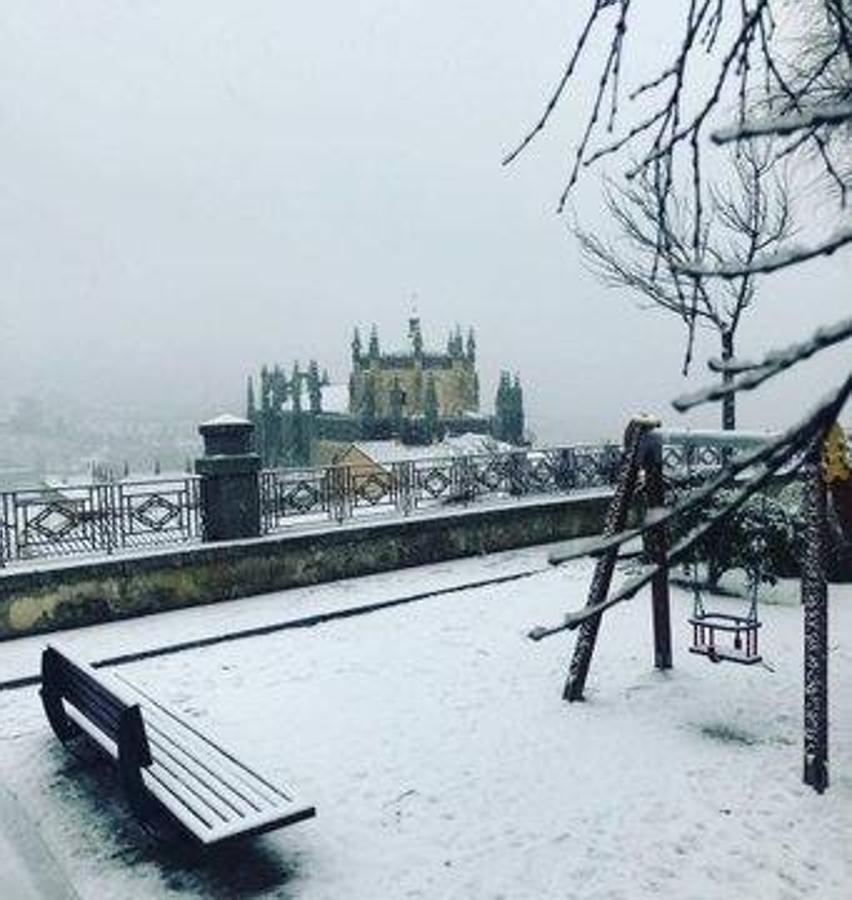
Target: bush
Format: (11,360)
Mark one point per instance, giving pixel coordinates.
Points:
(764,537)
(760,537)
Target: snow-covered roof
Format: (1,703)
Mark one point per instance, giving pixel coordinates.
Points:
(458,445)
(471,443)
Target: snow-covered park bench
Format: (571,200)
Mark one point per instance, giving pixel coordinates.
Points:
(165,764)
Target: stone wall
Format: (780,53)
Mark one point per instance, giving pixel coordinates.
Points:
(455,384)
(80,593)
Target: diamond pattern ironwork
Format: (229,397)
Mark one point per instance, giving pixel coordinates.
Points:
(54,522)
(302,497)
(709,456)
(435,482)
(372,488)
(541,472)
(490,477)
(156,512)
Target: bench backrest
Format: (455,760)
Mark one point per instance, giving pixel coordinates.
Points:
(80,685)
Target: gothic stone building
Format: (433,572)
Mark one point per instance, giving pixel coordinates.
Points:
(416,396)
(399,385)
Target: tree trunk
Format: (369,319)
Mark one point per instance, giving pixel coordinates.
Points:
(729,402)
(815,603)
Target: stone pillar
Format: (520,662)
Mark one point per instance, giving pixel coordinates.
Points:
(229,489)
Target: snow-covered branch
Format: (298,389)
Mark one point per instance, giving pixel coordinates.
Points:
(754,374)
(835,114)
(791,256)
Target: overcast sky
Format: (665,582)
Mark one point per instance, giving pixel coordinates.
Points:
(193,187)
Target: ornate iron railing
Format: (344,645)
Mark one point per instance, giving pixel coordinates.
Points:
(705,451)
(108,517)
(336,493)
(97,518)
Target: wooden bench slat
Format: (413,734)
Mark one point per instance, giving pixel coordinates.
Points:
(195,798)
(208,790)
(206,832)
(163,745)
(247,790)
(173,794)
(195,813)
(208,751)
(199,822)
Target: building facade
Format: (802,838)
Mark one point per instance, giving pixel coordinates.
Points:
(415,381)
(415,396)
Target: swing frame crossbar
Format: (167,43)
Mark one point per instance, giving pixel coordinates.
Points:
(643,450)
(745,631)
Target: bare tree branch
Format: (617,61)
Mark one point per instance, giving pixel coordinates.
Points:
(792,256)
(773,364)
(783,125)
(741,218)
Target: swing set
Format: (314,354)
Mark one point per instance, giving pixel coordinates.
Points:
(720,636)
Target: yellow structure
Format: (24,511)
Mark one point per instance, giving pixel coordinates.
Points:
(835,456)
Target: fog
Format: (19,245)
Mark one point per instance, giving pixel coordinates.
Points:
(192,189)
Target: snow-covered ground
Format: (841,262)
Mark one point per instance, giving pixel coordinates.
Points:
(443,763)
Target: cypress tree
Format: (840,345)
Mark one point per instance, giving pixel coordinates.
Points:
(278,388)
(396,410)
(517,415)
(314,388)
(296,387)
(430,408)
(352,401)
(299,439)
(502,407)
(264,388)
(251,411)
(368,407)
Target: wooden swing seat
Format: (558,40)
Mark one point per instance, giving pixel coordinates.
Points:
(744,650)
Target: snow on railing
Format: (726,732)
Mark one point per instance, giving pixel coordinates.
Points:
(105,518)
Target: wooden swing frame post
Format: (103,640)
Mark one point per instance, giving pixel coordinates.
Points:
(656,545)
(637,451)
(815,622)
